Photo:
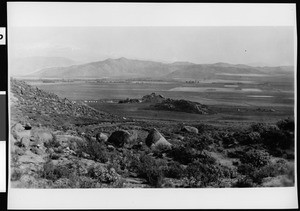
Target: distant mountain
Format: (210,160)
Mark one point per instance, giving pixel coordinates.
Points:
(27,65)
(128,68)
(198,71)
(121,67)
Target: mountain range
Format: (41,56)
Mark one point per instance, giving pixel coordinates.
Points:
(25,65)
(128,68)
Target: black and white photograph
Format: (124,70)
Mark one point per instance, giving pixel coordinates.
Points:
(111,96)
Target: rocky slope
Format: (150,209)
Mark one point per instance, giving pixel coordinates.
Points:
(56,143)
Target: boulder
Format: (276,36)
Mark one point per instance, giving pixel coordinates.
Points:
(119,138)
(101,137)
(25,141)
(155,139)
(17,127)
(190,129)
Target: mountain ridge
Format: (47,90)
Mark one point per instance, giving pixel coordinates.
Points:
(129,68)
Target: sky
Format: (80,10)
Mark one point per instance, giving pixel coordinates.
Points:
(199,33)
(238,45)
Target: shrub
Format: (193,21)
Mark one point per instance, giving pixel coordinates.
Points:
(103,174)
(286,124)
(53,172)
(52,143)
(275,138)
(96,150)
(151,170)
(174,170)
(183,154)
(202,175)
(257,158)
(245,182)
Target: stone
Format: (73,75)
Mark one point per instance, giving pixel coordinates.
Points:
(101,137)
(110,147)
(25,141)
(17,127)
(155,139)
(119,138)
(190,129)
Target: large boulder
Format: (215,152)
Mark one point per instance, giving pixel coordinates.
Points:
(155,139)
(190,129)
(119,138)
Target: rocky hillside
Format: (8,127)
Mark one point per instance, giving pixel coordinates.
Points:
(48,109)
(56,143)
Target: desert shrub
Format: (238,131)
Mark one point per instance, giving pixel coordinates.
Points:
(160,150)
(182,154)
(229,140)
(52,143)
(200,142)
(244,182)
(286,124)
(259,127)
(96,150)
(127,161)
(275,138)
(102,174)
(270,170)
(202,175)
(256,158)
(52,172)
(174,170)
(150,169)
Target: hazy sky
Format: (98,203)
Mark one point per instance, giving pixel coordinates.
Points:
(199,33)
(245,45)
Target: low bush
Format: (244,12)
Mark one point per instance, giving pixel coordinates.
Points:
(174,170)
(183,154)
(256,158)
(151,170)
(54,143)
(286,124)
(52,172)
(97,151)
(202,175)
(102,174)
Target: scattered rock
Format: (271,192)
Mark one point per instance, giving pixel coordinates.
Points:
(101,137)
(110,147)
(190,129)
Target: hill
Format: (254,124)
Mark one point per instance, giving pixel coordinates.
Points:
(121,67)
(127,68)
